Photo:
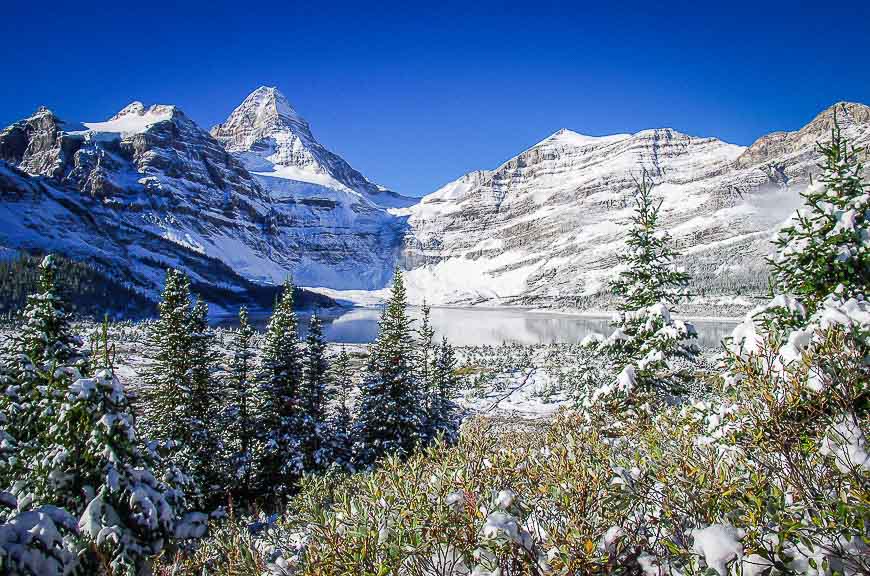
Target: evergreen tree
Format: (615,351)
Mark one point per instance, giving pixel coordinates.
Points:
(825,244)
(167,396)
(280,382)
(647,290)
(443,411)
(312,416)
(390,419)
(38,364)
(91,465)
(649,275)
(204,410)
(425,359)
(241,428)
(46,336)
(342,417)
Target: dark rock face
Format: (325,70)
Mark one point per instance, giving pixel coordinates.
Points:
(145,190)
(35,144)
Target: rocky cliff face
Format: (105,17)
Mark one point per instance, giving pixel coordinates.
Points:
(330,215)
(545,228)
(148,189)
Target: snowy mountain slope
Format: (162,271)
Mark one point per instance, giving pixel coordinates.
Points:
(272,139)
(148,188)
(545,228)
(329,213)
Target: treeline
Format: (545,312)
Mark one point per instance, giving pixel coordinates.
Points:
(89,291)
(249,425)
(87,487)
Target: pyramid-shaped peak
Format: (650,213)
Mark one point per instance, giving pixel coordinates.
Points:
(267,101)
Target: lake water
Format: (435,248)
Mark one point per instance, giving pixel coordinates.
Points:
(476,326)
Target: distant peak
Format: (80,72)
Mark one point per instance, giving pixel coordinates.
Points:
(567,136)
(268,100)
(133,108)
(42,111)
(846,110)
(138,109)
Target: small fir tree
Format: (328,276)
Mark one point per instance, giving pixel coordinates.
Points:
(168,393)
(342,417)
(426,352)
(649,275)
(241,428)
(390,419)
(38,364)
(443,411)
(204,435)
(280,379)
(46,335)
(92,466)
(648,288)
(825,245)
(312,416)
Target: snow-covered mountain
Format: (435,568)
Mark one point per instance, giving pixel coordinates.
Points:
(273,141)
(259,199)
(148,189)
(545,228)
(334,219)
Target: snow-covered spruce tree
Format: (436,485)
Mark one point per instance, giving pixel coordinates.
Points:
(46,336)
(390,415)
(203,465)
(280,381)
(426,352)
(33,386)
(443,411)
(167,396)
(36,542)
(647,289)
(313,429)
(342,416)
(169,408)
(241,427)
(92,466)
(825,245)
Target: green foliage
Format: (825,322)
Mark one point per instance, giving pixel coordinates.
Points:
(649,275)
(342,416)
(179,401)
(391,417)
(313,430)
(647,339)
(39,362)
(241,429)
(280,380)
(825,244)
(203,417)
(168,378)
(90,292)
(443,412)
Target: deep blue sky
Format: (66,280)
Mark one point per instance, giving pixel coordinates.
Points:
(416,96)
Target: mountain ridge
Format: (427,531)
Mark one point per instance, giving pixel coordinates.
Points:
(544,227)
(259,197)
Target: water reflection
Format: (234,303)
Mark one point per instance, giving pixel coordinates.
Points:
(474,326)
